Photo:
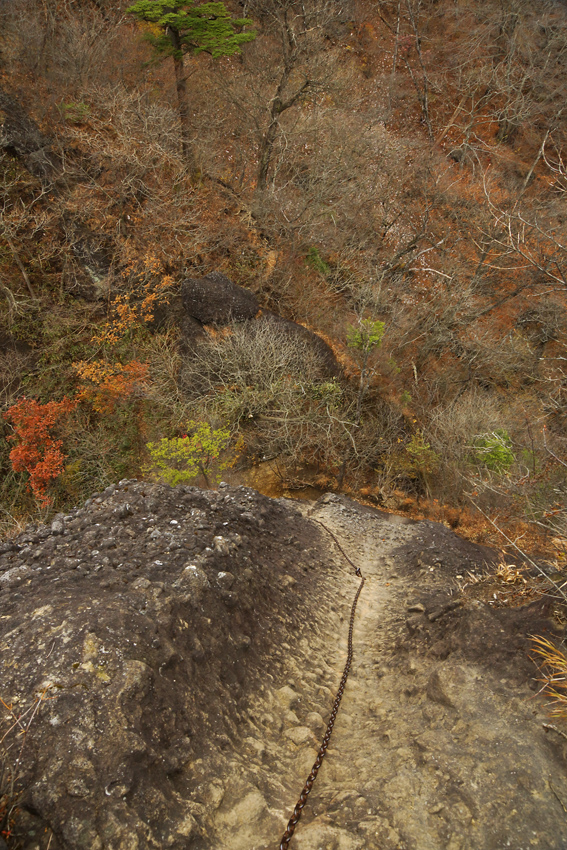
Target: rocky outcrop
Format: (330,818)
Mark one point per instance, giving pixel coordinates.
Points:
(173,655)
(21,137)
(216,300)
(145,619)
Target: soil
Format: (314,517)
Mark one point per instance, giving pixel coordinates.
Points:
(178,652)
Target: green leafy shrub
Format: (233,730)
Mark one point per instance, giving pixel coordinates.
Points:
(75,112)
(203,451)
(366,336)
(330,392)
(494,451)
(423,458)
(363,339)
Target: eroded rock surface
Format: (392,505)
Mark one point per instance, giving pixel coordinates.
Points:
(188,645)
(150,615)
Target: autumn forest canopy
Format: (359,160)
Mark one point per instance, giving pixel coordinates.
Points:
(391,175)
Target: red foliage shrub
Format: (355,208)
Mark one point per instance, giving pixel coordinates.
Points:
(37,452)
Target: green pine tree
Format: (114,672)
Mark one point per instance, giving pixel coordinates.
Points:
(186,27)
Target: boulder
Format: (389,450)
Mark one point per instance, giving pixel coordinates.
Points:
(325,355)
(130,667)
(21,137)
(216,300)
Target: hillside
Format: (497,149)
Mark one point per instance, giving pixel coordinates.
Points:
(307,249)
(396,167)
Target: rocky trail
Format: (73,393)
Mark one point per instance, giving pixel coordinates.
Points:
(183,649)
(424,754)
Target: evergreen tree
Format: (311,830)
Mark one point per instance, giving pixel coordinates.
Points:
(185,27)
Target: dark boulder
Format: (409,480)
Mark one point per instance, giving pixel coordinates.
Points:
(216,300)
(21,137)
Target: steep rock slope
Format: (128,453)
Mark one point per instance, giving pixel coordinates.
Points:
(177,653)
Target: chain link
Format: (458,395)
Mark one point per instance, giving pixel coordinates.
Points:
(294,820)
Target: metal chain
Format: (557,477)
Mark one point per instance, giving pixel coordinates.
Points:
(294,820)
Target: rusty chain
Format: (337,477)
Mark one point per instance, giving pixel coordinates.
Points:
(294,820)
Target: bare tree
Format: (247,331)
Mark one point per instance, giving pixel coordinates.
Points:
(71,43)
(288,67)
(532,237)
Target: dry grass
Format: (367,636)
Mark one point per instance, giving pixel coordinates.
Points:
(513,586)
(552,665)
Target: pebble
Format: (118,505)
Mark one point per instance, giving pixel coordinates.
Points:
(315,722)
(57,527)
(225,579)
(291,718)
(299,735)
(287,697)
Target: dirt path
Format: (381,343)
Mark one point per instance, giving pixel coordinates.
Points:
(426,753)
(346,811)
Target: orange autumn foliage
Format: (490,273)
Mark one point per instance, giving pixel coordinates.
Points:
(106,384)
(146,286)
(37,451)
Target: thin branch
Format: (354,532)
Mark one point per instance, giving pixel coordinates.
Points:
(532,169)
(556,795)
(542,572)
(554,729)
(553,455)
(20,266)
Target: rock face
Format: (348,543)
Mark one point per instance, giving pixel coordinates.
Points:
(21,137)
(145,619)
(216,300)
(174,655)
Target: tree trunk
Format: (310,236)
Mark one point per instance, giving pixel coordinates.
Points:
(361,388)
(341,475)
(277,107)
(182,104)
(266,149)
